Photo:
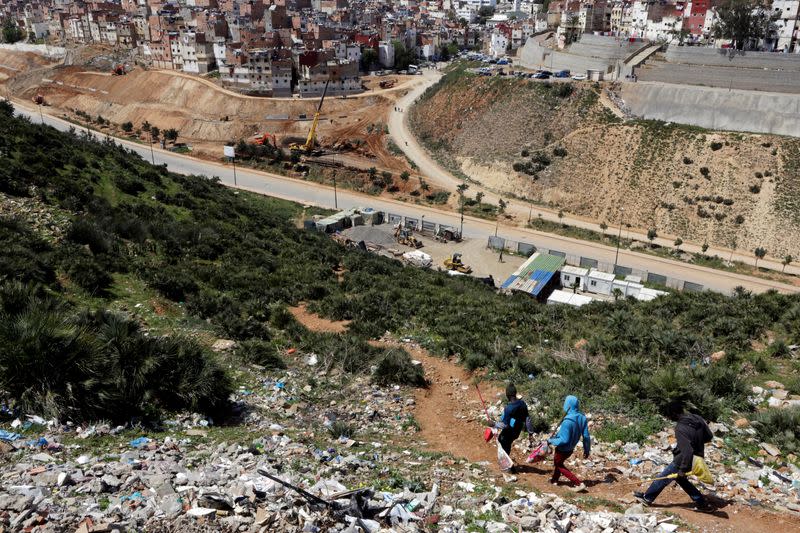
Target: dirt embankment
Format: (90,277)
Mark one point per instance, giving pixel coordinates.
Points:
(564,148)
(206,115)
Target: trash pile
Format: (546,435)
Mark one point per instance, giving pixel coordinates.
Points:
(314,451)
(776,395)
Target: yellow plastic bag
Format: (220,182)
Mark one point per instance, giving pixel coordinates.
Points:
(700,470)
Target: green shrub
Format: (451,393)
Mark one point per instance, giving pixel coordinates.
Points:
(629,429)
(341,429)
(88,274)
(260,352)
(560,151)
(98,365)
(780,427)
(396,367)
(716,145)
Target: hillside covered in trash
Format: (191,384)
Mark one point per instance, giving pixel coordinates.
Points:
(152,366)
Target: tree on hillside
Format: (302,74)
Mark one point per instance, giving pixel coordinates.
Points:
(479,197)
(759,253)
(171,135)
(604,227)
(651,235)
(678,243)
(501,206)
(573,29)
(404,177)
(127,127)
(484,14)
(11,32)
(368,58)
(403,57)
(744,22)
(787,259)
(155,133)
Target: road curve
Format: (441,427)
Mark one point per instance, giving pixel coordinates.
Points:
(429,167)
(474,228)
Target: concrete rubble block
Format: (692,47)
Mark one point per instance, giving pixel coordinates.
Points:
(771,449)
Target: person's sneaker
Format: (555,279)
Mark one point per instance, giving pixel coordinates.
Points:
(553,482)
(641,499)
(579,488)
(704,507)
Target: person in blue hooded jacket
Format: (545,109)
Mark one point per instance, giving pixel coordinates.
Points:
(573,427)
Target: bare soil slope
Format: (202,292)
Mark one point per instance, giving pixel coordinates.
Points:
(205,114)
(564,148)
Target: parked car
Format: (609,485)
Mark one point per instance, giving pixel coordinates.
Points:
(541,76)
(562,74)
(502,61)
(579,77)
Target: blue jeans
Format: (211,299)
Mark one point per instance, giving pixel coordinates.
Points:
(657,486)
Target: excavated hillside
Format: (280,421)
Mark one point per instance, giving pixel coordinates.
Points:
(559,144)
(206,114)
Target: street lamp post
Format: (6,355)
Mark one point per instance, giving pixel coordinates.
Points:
(152,154)
(619,238)
(335,196)
(461,230)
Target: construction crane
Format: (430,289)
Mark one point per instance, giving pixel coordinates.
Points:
(312,134)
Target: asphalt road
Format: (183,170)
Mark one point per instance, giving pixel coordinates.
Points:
(403,138)
(320,195)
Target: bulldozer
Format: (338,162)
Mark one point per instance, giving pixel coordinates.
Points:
(387,84)
(38,99)
(311,140)
(455,263)
(405,237)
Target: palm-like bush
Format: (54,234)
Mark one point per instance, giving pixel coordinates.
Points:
(99,364)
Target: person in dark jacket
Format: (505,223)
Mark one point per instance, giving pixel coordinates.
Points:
(515,418)
(692,434)
(573,428)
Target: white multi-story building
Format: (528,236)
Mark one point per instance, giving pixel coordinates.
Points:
(498,44)
(386,54)
(351,52)
(784,35)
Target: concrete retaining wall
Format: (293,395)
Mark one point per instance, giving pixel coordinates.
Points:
(715,108)
(53,52)
(732,58)
(535,56)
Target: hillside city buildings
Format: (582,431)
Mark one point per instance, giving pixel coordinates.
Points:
(284,47)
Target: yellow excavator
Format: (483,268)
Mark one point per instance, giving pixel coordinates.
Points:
(404,236)
(455,263)
(311,140)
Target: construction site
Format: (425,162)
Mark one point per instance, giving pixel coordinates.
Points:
(332,131)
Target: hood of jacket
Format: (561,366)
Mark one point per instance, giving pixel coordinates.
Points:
(571,403)
(692,420)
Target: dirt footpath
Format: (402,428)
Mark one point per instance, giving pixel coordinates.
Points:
(446,412)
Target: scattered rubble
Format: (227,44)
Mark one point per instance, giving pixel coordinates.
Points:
(283,467)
